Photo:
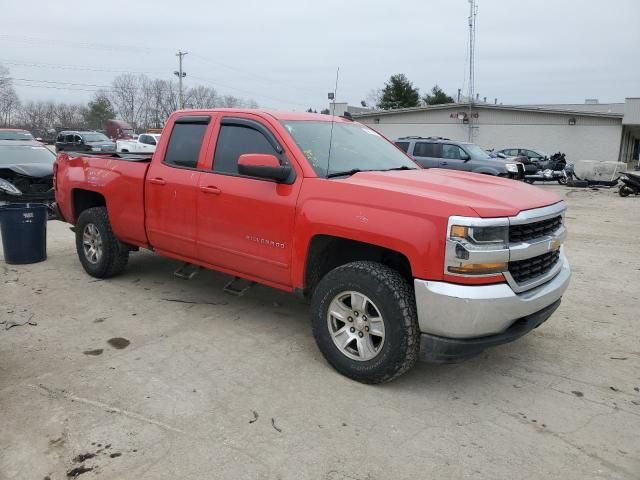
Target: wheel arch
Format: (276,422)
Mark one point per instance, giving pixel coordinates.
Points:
(327,252)
(83,199)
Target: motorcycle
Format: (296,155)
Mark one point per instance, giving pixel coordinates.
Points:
(545,170)
(631,184)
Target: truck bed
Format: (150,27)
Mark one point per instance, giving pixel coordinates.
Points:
(116,178)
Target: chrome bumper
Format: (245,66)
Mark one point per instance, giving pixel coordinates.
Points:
(469,311)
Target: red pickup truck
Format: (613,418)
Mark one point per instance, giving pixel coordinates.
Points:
(400,263)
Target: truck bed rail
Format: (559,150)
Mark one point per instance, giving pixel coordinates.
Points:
(127,157)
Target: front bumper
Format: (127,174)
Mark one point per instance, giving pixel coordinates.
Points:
(463,312)
(435,349)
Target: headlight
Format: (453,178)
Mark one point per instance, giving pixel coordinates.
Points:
(477,246)
(9,188)
(481,235)
(511,167)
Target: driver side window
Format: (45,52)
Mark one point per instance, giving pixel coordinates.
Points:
(236,140)
(451,152)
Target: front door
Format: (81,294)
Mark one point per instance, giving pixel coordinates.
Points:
(451,158)
(171,189)
(245,224)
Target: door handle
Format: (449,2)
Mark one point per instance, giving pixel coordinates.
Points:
(444,163)
(211,190)
(157,181)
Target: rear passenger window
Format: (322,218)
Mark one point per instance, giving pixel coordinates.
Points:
(424,149)
(184,144)
(404,146)
(236,140)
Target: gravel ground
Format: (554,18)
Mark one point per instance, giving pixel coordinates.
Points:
(147,376)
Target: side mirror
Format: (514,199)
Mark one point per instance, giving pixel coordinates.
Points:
(263,166)
(465,157)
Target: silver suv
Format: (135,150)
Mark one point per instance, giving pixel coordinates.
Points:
(439,152)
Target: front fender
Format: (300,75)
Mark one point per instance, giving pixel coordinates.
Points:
(418,239)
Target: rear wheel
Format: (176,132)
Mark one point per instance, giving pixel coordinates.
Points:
(365,322)
(102,255)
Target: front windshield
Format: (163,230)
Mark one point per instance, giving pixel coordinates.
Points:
(21,154)
(15,135)
(476,152)
(95,137)
(353,147)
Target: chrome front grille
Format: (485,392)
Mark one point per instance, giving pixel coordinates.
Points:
(535,246)
(532,268)
(531,231)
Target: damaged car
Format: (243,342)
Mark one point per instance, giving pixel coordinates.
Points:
(26,173)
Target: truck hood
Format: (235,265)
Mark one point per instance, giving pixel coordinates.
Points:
(488,196)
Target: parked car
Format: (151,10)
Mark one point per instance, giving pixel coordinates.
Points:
(146,142)
(438,152)
(75,141)
(400,263)
(531,154)
(16,134)
(26,172)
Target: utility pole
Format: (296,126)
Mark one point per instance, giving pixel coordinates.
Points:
(473,11)
(180,74)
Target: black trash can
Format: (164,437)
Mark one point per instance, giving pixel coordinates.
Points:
(24,232)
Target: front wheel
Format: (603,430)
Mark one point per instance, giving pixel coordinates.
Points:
(364,321)
(102,255)
(624,191)
(562,180)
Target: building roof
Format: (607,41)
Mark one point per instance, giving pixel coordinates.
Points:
(563,109)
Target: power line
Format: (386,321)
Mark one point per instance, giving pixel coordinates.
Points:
(246,92)
(253,74)
(62,83)
(73,67)
(58,88)
(76,44)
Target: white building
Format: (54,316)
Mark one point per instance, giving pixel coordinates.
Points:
(589,131)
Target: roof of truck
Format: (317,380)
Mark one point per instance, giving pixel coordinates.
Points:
(277,114)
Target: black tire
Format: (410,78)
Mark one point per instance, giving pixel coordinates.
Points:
(395,299)
(114,256)
(562,180)
(624,191)
(529,181)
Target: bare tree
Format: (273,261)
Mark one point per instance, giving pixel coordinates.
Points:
(9,101)
(125,96)
(229,101)
(202,97)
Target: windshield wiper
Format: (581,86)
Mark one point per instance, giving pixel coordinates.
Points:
(345,173)
(404,167)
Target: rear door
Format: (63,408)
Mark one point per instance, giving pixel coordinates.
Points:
(171,188)
(427,154)
(245,224)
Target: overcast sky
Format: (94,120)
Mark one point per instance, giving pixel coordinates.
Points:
(284,53)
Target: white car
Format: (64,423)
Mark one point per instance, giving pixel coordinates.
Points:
(146,142)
